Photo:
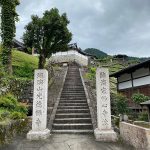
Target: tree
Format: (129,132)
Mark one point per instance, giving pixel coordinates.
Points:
(139,98)
(8,28)
(119,103)
(47,34)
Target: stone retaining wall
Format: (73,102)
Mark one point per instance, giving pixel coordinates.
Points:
(136,136)
(54,90)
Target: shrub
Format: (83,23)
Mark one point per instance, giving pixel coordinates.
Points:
(24,71)
(17,115)
(139,98)
(21,108)
(11,108)
(119,104)
(143,116)
(91,74)
(8,101)
(5,114)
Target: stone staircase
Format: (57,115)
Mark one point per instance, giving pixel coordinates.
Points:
(73,114)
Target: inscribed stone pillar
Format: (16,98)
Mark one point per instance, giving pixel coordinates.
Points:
(104,132)
(39,116)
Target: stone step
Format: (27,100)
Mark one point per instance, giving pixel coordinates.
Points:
(73,91)
(76,94)
(71,83)
(72,107)
(73,115)
(73,104)
(72,101)
(74,97)
(78,97)
(73,87)
(68,99)
(72,131)
(73,110)
(72,126)
(73,120)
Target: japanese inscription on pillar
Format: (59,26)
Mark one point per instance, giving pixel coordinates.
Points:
(103,99)
(39,120)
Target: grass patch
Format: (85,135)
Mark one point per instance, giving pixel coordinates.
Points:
(142,124)
(23,64)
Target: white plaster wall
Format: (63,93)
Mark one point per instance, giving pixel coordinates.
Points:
(125,85)
(140,72)
(141,81)
(69,56)
(124,77)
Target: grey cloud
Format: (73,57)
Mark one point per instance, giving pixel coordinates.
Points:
(120,26)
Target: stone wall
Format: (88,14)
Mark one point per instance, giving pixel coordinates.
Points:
(55,87)
(136,136)
(21,88)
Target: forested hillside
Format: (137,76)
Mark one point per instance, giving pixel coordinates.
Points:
(95,52)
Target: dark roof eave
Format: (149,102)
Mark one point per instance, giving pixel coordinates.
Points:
(131,68)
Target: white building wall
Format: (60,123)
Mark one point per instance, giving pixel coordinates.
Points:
(140,77)
(124,85)
(141,81)
(69,56)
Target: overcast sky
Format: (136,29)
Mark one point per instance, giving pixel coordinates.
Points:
(113,26)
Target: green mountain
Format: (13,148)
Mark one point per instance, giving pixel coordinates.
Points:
(95,52)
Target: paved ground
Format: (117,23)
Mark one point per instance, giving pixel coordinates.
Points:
(64,142)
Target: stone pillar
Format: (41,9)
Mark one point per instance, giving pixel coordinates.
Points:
(104,132)
(39,116)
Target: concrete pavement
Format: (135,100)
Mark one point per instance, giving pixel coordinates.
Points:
(64,142)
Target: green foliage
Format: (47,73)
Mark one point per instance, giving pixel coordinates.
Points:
(119,104)
(143,116)
(17,115)
(8,28)
(139,98)
(91,73)
(21,108)
(95,52)
(11,108)
(16,85)
(47,34)
(8,101)
(24,71)
(24,64)
(4,113)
